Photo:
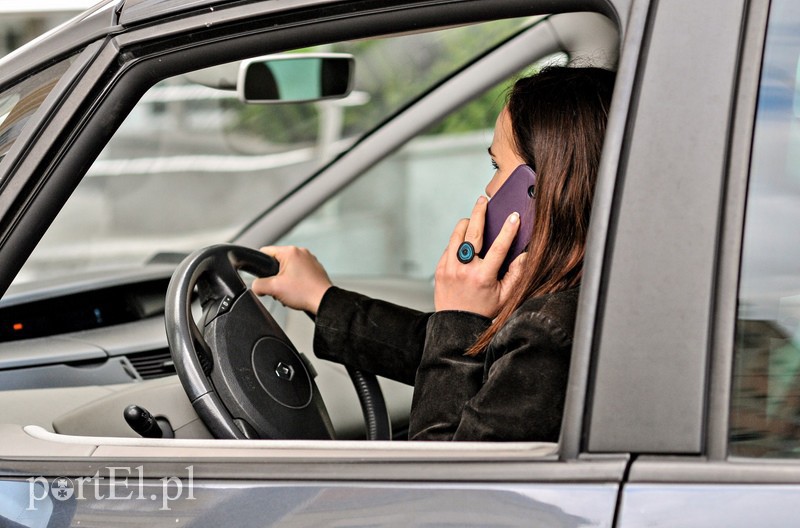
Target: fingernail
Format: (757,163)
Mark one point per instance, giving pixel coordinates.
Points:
(481,199)
(513,218)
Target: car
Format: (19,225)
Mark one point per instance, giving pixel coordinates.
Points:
(132,158)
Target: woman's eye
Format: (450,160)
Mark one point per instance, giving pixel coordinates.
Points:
(494,165)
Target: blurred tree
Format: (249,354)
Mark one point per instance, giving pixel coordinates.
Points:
(393,71)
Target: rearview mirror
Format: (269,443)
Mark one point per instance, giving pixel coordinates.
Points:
(295,78)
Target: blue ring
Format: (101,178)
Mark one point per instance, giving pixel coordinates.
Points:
(466,252)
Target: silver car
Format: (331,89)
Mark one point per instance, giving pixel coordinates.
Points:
(133,153)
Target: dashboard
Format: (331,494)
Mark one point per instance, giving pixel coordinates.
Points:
(86,330)
(82,311)
(74,352)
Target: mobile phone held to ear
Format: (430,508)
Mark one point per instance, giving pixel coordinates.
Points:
(515,194)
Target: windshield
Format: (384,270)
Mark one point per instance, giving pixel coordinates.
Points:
(20,102)
(192,165)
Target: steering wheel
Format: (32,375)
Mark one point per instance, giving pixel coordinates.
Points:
(241,372)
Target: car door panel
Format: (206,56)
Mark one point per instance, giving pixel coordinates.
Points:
(734,493)
(379,504)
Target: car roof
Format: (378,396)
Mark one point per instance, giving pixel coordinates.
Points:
(136,11)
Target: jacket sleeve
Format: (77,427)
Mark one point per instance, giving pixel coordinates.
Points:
(372,335)
(519,397)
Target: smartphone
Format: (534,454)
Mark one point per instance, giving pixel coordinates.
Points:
(516,194)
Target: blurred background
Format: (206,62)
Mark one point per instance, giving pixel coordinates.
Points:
(21,22)
(186,150)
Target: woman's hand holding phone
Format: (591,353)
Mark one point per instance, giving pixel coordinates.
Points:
(474,287)
(499,230)
(514,195)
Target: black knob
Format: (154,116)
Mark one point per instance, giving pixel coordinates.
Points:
(142,422)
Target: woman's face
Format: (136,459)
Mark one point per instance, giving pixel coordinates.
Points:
(503,152)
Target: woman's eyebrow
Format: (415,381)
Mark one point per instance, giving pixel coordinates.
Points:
(489,150)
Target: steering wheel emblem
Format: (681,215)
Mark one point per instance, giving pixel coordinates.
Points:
(284,371)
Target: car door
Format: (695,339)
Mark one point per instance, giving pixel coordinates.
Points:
(113,481)
(740,468)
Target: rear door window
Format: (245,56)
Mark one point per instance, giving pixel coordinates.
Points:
(765,404)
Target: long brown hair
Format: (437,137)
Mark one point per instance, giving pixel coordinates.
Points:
(558,121)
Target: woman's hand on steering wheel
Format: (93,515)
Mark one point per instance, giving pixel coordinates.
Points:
(301,281)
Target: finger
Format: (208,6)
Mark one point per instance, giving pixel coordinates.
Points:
(272,251)
(450,257)
(477,219)
(457,237)
(275,252)
(508,284)
(515,269)
(499,249)
(518,262)
(263,286)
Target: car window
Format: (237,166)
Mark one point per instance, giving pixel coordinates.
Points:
(765,404)
(192,165)
(393,220)
(20,102)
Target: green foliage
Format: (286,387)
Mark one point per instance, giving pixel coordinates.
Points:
(277,124)
(478,115)
(393,71)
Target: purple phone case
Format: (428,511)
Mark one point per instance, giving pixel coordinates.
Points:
(514,195)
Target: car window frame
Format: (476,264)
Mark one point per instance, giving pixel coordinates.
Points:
(732,230)
(32,157)
(654,334)
(141,49)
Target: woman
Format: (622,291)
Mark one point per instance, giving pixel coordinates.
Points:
(491,362)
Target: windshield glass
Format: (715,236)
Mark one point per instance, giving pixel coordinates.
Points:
(21,101)
(191,165)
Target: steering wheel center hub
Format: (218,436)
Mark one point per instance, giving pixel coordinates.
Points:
(281,373)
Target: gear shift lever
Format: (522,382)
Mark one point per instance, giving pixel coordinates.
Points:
(145,424)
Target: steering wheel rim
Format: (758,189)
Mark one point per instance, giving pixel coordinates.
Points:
(241,372)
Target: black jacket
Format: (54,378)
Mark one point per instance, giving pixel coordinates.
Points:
(513,392)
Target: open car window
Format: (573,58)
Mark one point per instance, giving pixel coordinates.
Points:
(192,165)
(392,221)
